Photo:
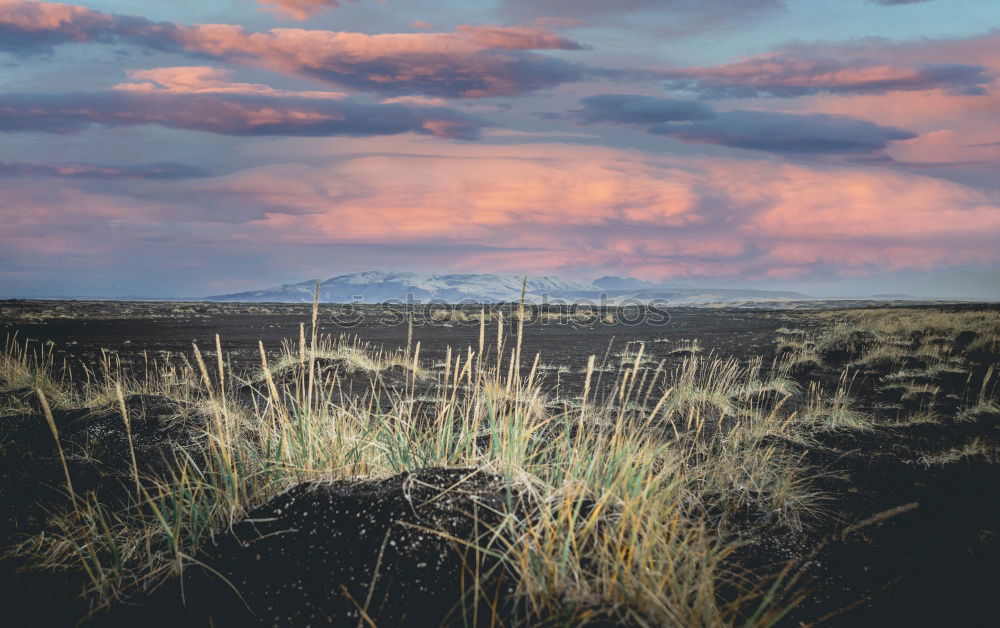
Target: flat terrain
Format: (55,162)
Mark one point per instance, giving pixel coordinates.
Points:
(866,441)
(140,333)
(79,330)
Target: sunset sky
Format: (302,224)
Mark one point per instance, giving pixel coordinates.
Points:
(192,147)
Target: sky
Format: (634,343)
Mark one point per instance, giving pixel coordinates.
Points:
(197,147)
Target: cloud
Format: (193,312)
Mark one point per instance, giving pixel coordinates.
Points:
(227,114)
(965,66)
(538,208)
(769,131)
(472,62)
(467,190)
(35,27)
(787,75)
(948,119)
(638,109)
(162,171)
(778,132)
(298,9)
(675,16)
(516,38)
(455,65)
(533,198)
(559,208)
(206,80)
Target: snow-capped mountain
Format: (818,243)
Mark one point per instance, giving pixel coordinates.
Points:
(409,287)
(380,286)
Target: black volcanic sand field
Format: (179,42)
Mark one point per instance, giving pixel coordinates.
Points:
(79,330)
(908,536)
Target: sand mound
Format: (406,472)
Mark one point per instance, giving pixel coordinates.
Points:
(399,551)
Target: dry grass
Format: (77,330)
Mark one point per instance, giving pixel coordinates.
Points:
(923,332)
(664,465)
(920,356)
(976,448)
(347,351)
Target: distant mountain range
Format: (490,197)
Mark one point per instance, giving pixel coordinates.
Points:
(381,286)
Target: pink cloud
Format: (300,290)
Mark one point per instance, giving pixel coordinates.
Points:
(465,197)
(77,23)
(422,101)
(206,80)
(814,205)
(538,208)
(578,207)
(966,66)
(953,127)
(953,110)
(472,62)
(787,74)
(298,9)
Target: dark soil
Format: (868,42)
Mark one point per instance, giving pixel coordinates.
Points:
(930,561)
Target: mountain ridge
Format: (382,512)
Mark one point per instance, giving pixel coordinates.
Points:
(416,287)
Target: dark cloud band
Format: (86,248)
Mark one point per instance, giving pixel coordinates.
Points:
(160,171)
(638,109)
(769,131)
(677,16)
(788,75)
(229,114)
(777,132)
